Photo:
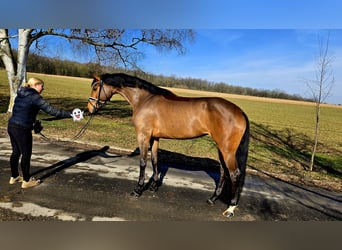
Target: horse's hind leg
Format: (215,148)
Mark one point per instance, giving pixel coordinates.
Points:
(154,159)
(221,183)
(228,168)
(234,174)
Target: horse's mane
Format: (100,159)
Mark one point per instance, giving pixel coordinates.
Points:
(124,80)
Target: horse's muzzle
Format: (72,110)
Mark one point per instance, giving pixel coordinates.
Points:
(94,104)
(91,108)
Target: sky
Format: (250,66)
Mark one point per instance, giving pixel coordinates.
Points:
(278,59)
(264,44)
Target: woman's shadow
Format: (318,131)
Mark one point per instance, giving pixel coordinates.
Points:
(81,157)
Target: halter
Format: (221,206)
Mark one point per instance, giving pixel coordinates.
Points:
(99,103)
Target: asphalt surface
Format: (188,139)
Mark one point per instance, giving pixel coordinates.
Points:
(93,183)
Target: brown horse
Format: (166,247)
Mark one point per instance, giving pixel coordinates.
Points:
(158,113)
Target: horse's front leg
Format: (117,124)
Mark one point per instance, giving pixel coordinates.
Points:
(154,160)
(137,191)
(143,146)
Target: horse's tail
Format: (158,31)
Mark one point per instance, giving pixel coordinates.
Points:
(242,155)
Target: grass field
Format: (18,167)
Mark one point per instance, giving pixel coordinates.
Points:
(281,131)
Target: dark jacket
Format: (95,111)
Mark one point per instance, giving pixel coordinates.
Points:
(27,105)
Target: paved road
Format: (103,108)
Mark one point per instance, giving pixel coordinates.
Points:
(93,183)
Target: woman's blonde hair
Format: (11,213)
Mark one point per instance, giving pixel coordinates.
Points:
(33,82)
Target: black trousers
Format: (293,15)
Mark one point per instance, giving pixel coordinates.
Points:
(21,140)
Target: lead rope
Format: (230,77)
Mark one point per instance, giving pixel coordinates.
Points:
(84,128)
(78,135)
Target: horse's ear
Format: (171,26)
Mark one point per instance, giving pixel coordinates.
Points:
(96,77)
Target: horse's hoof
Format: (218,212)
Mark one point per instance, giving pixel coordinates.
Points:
(135,194)
(228,214)
(153,187)
(210,202)
(212,199)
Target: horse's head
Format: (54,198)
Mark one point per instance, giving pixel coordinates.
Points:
(100,94)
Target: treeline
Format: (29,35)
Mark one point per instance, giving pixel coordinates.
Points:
(55,66)
(199,84)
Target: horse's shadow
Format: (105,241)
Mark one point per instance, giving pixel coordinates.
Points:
(81,157)
(171,160)
(167,160)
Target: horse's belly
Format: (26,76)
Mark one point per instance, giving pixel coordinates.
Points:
(179,130)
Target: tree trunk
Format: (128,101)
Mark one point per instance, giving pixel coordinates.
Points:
(8,60)
(16,72)
(24,44)
(318,113)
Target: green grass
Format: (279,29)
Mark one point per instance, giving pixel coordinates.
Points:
(281,133)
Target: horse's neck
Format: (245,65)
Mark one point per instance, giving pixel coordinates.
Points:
(134,96)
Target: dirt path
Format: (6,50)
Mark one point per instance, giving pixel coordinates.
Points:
(93,183)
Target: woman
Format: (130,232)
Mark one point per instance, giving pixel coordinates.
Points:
(26,107)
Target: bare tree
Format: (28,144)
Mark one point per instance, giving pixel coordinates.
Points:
(116,45)
(320,88)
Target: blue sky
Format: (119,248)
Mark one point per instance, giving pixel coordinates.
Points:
(267,44)
(264,59)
